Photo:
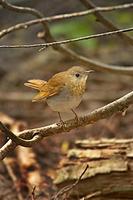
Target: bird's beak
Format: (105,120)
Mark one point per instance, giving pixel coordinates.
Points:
(90,71)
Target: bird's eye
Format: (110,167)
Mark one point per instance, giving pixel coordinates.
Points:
(77,74)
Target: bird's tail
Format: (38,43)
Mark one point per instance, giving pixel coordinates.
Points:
(36,84)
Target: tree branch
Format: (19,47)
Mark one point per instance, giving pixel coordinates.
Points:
(53,18)
(107,23)
(20,9)
(45,45)
(71,54)
(27,10)
(32,136)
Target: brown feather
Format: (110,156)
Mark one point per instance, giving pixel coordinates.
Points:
(56,83)
(39,97)
(47,89)
(35,84)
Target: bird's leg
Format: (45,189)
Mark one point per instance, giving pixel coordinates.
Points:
(61,121)
(76,116)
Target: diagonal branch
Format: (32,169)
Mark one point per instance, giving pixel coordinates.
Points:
(32,11)
(37,13)
(33,136)
(20,9)
(107,23)
(71,54)
(52,18)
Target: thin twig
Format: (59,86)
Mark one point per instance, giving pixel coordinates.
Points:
(42,19)
(32,136)
(28,10)
(71,54)
(33,193)
(92,195)
(68,188)
(35,12)
(45,45)
(106,22)
(20,9)
(12,174)
(96,65)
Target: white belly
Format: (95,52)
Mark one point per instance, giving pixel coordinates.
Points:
(63,102)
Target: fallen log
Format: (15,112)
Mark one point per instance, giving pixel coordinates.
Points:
(109,174)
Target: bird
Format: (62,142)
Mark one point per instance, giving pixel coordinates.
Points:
(63,92)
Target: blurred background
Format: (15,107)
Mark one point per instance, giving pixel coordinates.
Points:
(19,65)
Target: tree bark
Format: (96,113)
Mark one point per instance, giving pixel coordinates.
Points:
(109,174)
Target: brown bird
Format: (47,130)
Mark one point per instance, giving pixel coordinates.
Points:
(64,91)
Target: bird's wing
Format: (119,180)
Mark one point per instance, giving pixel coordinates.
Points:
(56,83)
(39,97)
(52,87)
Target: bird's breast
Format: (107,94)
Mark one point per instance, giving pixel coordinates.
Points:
(64,101)
(77,89)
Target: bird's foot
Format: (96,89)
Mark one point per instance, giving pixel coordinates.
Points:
(77,119)
(76,116)
(62,124)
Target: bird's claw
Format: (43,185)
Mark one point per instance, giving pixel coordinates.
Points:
(62,123)
(77,119)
